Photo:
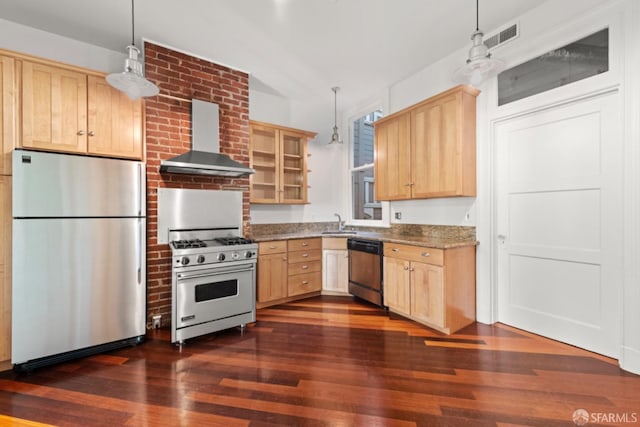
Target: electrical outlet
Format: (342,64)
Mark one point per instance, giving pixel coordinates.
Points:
(156,321)
(398,215)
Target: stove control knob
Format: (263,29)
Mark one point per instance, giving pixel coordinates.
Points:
(221,257)
(184,260)
(248,254)
(200,259)
(235,255)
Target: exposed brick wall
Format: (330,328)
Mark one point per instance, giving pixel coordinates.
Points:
(168,133)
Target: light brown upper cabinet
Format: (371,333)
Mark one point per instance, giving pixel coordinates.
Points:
(8,92)
(392,169)
(115,121)
(70,111)
(54,108)
(279,156)
(429,149)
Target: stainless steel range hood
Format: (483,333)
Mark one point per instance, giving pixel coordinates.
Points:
(205,157)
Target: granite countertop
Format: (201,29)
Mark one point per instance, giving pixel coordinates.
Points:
(438,242)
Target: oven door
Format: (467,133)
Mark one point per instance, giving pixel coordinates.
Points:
(214,293)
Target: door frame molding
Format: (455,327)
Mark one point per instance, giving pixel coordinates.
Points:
(621,17)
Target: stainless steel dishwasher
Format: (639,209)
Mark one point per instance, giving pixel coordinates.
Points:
(365,270)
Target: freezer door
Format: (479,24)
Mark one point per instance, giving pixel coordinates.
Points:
(76,283)
(65,185)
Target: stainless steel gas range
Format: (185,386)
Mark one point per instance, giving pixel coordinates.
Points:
(213,281)
(213,273)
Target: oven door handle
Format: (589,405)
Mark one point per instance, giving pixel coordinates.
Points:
(215,271)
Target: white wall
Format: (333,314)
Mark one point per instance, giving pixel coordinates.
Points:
(327,165)
(553,17)
(28,40)
(267,107)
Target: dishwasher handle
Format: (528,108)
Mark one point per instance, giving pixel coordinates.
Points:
(368,246)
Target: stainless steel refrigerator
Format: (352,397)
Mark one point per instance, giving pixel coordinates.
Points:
(79,280)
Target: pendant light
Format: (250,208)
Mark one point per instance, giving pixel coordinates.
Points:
(335,136)
(131,81)
(480,65)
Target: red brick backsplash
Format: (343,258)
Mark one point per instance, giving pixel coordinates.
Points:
(168,133)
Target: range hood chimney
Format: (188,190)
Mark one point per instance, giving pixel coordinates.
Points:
(204,157)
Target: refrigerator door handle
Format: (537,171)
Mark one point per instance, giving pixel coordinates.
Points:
(141,186)
(139,261)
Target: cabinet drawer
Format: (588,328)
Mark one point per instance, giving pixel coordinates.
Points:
(304,283)
(304,244)
(274,247)
(414,253)
(305,256)
(304,267)
(336,243)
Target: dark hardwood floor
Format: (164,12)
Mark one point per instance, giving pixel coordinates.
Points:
(329,361)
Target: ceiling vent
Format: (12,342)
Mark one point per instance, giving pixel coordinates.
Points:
(508,33)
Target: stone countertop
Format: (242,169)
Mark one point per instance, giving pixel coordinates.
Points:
(439,242)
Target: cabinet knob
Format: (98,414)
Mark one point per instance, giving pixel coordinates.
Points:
(305,244)
(91,133)
(425,254)
(305,255)
(305,282)
(412,269)
(406,267)
(395,250)
(305,267)
(80,132)
(272,247)
(284,258)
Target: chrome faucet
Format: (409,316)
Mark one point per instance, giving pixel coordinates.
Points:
(340,225)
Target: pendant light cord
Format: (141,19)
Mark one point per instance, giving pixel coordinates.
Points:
(477,15)
(133,28)
(335,107)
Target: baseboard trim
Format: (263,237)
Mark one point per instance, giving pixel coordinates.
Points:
(630,360)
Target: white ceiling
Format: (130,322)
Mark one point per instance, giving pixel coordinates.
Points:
(295,48)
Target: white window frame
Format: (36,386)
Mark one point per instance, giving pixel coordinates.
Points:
(383,104)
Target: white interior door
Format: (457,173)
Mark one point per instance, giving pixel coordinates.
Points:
(559,222)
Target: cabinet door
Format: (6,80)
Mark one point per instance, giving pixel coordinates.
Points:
(54,108)
(427,294)
(5,268)
(396,285)
(392,164)
(114,121)
(8,99)
(435,151)
(264,157)
(335,270)
(293,173)
(272,277)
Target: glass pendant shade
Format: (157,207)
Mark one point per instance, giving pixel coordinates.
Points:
(335,136)
(480,66)
(131,81)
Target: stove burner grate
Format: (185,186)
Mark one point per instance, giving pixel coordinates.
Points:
(187,244)
(231,241)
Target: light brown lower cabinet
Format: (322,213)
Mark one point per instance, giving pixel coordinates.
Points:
(335,266)
(435,287)
(5,272)
(288,270)
(272,271)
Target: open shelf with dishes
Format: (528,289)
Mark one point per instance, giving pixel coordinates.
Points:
(279,156)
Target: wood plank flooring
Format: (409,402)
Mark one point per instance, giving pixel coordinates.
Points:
(328,361)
